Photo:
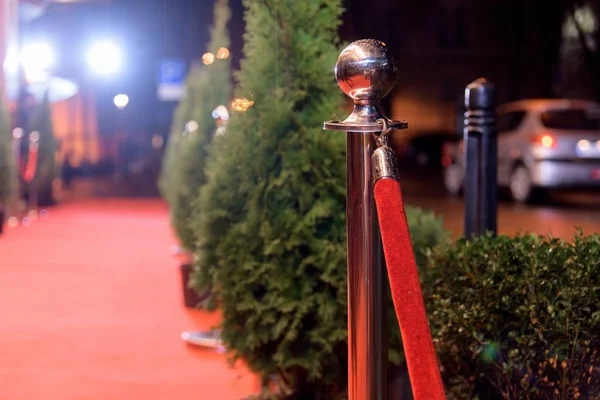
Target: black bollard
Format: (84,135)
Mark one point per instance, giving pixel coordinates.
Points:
(481,159)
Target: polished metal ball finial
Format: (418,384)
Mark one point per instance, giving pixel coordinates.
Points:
(366,71)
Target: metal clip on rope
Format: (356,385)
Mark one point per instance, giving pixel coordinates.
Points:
(384,164)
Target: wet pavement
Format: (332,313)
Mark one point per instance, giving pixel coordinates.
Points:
(559,214)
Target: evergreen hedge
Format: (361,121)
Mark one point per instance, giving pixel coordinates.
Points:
(517,317)
(270,222)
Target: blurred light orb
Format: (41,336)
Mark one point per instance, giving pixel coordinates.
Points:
(157,142)
(191,126)
(34,136)
(583,145)
(36,59)
(222,112)
(32,214)
(121,101)
(37,56)
(18,133)
(44,214)
(208,58)
(105,58)
(13,222)
(241,104)
(223,53)
(26,222)
(215,114)
(598,144)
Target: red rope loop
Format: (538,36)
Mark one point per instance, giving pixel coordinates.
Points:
(420,354)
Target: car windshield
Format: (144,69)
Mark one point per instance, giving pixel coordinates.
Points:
(573,119)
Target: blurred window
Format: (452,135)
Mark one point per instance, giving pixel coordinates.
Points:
(509,121)
(573,119)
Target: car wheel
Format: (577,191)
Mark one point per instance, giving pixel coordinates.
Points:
(521,187)
(453,179)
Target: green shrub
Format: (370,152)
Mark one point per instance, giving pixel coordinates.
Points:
(517,318)
(6,156)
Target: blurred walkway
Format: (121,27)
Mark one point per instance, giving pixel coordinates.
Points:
(91,308)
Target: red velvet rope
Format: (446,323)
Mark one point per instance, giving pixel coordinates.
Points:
(406,292)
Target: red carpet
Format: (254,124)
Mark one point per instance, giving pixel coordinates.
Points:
(91,308)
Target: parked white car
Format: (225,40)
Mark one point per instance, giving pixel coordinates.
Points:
(542,145)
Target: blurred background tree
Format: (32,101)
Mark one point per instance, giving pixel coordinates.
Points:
(194,126)
(46,170)
(7,167)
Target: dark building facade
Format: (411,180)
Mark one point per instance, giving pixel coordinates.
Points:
(442,45)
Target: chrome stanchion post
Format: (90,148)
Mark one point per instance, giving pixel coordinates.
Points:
(366,72)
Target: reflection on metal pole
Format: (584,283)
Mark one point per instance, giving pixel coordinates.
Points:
(366,72)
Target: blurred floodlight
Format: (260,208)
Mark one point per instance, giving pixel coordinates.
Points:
(105,58)
(191,126)
(36,59)
(121,101)
(223,53)
(208,58)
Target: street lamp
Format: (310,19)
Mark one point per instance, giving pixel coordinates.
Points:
(105,58)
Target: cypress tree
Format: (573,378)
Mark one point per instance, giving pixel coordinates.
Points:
(271,221)
(6,161)
(210,87)
(46,171)
(6,155)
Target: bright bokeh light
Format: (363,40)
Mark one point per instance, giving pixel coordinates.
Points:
(13,222)
(18,133)
(191,126)
(221,112)
(547,141)
(121,101)
(583,145)
(105,58)
(241,104)
(598,144)
(208,58)
(34,136)
(36,59)
(223,53)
